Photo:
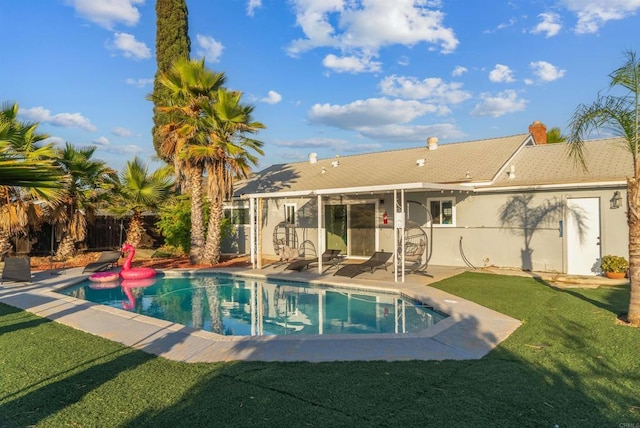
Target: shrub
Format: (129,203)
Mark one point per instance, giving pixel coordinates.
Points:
(614,264)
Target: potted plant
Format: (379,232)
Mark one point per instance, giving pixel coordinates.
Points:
(614,266)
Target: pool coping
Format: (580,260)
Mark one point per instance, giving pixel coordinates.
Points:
(469,332)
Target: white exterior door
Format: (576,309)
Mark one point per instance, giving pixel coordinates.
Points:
(583,236)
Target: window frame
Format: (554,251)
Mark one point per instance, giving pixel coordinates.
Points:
(440,200)
(231,212)
(291,218)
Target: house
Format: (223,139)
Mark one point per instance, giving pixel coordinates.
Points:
(512,201)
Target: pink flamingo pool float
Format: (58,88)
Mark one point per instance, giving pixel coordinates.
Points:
(128,285)
(128,272)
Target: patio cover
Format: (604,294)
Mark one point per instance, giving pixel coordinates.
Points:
(398,190)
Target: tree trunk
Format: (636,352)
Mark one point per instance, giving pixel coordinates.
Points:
(5,243)
(66,249)
(135,231)
(633,219)
(211,253)
(197,218)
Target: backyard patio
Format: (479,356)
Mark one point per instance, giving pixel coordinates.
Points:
(569,364)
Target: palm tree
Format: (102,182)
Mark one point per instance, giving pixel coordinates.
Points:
(191,87)
(138,191)
(29,179)
(554,136)
(227,154)
(619,115)
(89,184)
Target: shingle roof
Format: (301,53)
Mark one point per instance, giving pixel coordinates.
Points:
(474,161)
(606,160)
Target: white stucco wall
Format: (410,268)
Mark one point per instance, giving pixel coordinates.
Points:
(479,235)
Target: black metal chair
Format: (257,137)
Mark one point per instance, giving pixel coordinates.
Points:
(17,269)
(329,258)
(378,260)
(106,261)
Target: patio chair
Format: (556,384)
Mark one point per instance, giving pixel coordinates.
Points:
(414,257)
(291,254)
(17,269)
(106,261)
(330,258)
(378,260)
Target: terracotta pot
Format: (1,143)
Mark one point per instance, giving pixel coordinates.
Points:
(615,275)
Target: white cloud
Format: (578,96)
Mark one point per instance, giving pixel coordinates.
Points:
(361,29)
(592,14)
(63,120)
(550,25)
(209,48)
(108,13)
(510,23)
(101,141)
(350,64)
(404,60)
(56,141)
(272,98)
(335,145)
(125,149)
(370,112)
(546,72)
(140,83)
(459,71)
(314,143)
(253,5)
(501,73)
(130,47)
(417,133)
(432,89)
(500,104)
(122,132)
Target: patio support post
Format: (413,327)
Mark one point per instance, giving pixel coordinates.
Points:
(259,233)
(398,229)
(252,231)
(320,245)
(402,210)
(395,237)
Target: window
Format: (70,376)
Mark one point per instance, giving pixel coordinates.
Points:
(237,215)
(290,213)
(443,211)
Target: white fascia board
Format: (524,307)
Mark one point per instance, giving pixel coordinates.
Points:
(503,169)
(274,195)
(552,186)
(362,189)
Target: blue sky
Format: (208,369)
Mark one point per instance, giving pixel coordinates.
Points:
(335,77)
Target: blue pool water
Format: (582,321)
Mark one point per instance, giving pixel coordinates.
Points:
(241,306)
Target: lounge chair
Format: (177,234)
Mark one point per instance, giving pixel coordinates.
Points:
(329,258)
(17,269)
(378,260)
(107,260)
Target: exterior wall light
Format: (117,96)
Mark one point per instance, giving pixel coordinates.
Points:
(616,201)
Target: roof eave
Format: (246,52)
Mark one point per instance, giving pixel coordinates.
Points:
(362,189)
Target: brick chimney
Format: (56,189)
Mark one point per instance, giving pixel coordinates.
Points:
(539,132)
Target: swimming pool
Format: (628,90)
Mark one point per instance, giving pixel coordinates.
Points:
(242,306)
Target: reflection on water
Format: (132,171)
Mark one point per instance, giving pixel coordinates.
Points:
(242,307)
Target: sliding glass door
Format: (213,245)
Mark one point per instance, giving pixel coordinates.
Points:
(351,228)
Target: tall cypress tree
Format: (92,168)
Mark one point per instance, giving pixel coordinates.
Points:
(172,42)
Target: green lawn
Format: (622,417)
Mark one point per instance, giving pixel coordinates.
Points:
(569,364)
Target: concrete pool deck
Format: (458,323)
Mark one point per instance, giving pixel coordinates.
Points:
(470,331)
